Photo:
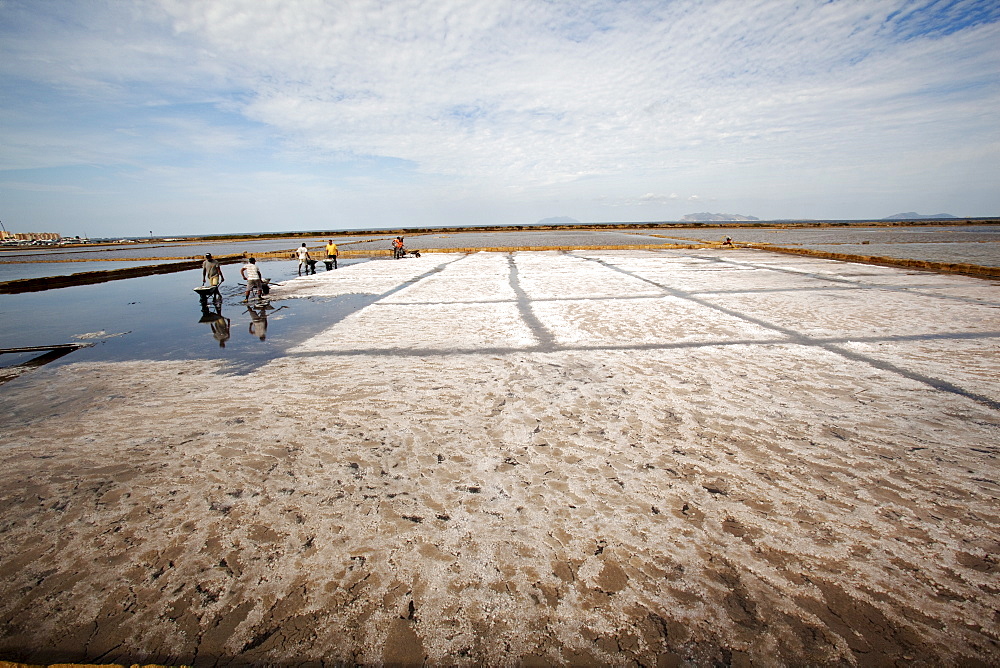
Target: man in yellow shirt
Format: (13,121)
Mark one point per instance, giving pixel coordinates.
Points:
(331,255)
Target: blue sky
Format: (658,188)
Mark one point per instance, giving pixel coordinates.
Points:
(124,117)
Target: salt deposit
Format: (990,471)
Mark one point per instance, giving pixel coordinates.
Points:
(612,457)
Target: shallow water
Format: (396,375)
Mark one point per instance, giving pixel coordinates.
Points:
(60,261)
(851,234)
(162,318)
(975,244)
(539,238)
(978,253)
(12,271)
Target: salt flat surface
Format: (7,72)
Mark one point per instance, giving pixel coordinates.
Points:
(694,457)
(478,278)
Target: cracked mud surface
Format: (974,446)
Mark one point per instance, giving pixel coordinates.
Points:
(621,458)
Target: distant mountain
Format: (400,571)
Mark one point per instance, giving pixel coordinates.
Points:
(558,220)
(913,215)
(714,217)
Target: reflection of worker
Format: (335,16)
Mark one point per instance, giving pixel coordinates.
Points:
(219,323)
(258,322)
(211,271)
(331,254)
(220,330)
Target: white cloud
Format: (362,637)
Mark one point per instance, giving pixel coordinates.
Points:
(42,187)
(495,99)
(653,197)
(553,91)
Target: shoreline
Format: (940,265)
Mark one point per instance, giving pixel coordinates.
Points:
(789,224)
(782,224)
(23,285)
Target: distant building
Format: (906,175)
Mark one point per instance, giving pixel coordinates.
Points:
(30,236)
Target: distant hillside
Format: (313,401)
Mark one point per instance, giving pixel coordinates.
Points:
(714,217)
(913,215)
(558,220)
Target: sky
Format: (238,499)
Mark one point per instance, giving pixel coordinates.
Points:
(171,117)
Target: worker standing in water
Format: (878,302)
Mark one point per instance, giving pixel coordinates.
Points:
(331,254)
(303,254)
(211,271)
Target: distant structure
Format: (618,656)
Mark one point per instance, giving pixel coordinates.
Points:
(29,236)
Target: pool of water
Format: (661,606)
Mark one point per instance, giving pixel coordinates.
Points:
(68,260)
(536,238)
(974,244)
(162,318)
(12,271)
(978,253)
(765,233)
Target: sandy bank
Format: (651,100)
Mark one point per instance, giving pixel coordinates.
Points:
(605,457)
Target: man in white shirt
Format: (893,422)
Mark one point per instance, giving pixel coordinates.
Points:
(304,258)
(251,272)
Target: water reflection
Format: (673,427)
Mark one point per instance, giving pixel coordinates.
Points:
(160,318)
(218,322)
(221,326)
(258,321)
